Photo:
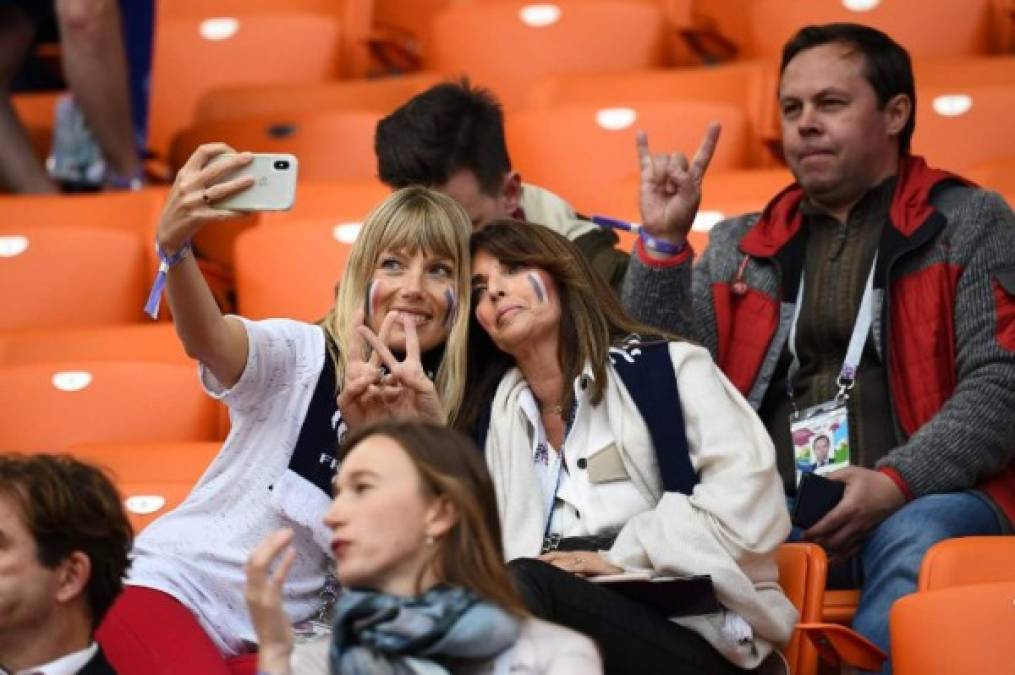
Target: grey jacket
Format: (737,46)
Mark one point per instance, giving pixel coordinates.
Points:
(971,436)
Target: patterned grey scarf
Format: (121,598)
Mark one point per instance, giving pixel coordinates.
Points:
(378,634)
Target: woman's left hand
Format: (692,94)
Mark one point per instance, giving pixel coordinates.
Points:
(406,389)
(582,563)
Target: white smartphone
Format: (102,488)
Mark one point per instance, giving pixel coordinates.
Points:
(274,187)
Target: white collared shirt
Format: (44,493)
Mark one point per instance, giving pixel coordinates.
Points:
(68,664)
(582,507)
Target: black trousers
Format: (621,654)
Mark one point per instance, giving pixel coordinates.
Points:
(632,638)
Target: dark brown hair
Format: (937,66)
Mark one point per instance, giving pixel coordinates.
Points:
(450,465)
(70,506)
(592,319)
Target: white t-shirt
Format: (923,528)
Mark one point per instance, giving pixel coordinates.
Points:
(197,552)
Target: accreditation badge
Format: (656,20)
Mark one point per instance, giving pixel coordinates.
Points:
(820,438)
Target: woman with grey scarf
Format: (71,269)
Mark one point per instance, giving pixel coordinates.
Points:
(416,540)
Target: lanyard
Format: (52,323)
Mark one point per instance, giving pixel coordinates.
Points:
(847,374)
(550,491)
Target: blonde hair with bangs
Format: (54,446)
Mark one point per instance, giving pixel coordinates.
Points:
(410,220)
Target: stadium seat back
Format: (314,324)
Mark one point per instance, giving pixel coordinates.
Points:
(933,28)
(52,277)
(749,86)
(335,201)
(381,95)
(967,560)
(194,54)
(582,151)
(135,342)
(141,461)
(507,44)
(147,501)
(50,406)
(306,261)
(335,145)
(964,629)
(961,126)
(802,572)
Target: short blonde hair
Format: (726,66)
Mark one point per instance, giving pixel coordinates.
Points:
(411,219)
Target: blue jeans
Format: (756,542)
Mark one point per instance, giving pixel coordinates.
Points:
(890,559)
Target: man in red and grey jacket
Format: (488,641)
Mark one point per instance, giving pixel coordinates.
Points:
(776,297)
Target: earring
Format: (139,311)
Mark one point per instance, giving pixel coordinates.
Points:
(430,540)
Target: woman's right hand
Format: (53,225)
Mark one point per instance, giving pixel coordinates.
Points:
(189,205)
(361,400)
(264,600)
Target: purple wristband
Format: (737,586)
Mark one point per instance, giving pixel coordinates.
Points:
(151,307)
(660,245)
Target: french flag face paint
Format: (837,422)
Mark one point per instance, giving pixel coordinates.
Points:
(449,318)
(371,299)
(538,287)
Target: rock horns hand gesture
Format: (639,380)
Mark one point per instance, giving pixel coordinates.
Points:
(671,188)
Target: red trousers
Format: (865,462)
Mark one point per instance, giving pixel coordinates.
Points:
(148,632)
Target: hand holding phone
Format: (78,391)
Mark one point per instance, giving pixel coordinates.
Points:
(815,496)
(273,188)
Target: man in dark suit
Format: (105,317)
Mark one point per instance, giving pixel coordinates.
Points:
(64,540)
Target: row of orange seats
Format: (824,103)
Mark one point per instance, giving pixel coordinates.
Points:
(89,259)
(508,44)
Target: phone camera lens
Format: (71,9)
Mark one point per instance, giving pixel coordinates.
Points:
(282,164)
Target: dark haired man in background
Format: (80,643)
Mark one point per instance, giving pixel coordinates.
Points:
(451,138)
(64,540)
(912,267)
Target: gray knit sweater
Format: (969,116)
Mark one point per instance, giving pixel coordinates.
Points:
(973,436)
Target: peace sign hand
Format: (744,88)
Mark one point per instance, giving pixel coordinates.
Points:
(361,400)
(407,391)
(671,188)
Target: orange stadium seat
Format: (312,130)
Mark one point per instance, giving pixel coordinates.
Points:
(291,271)
(380,95)
(335,145)
(582,151)
(53,277)
(148,462)
(134,342)
(51,406)
(960,126)
(965,629)
(980,70)
(998,174)
(128,211)
(507,44)
(356,17)
(749,86)
(802,571)
(931,28)
(967,560)
(194,54)
(337,202)
(145,501)
(36,111)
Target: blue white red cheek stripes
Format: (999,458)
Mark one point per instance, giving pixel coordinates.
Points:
(449,295)
(371,299)
(538,286)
